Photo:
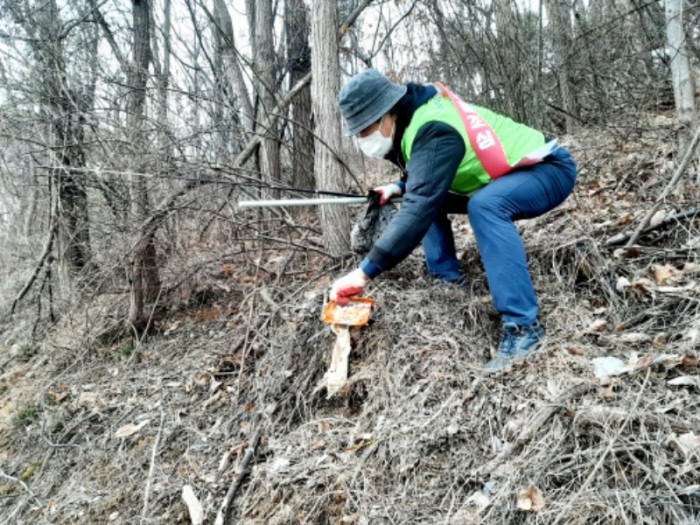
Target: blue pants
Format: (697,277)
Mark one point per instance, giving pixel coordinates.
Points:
(521,194)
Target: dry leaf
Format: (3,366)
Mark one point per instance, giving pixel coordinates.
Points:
(685,381)
(622,284)
(193,505)
(479,500)
(675,405)
(625,219)
(643,362)
(87,399)
(689,442)
(279,466)
(531,500)
(644,285)
(660,339)
(657,218)
(598,325)
(663,274)
(317,444)
(690,268)
(633,337)
(677,289)
(669,360)
(130,429)
(689,361)
(609,394)
(608,366)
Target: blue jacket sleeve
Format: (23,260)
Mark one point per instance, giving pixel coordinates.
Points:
(437,152)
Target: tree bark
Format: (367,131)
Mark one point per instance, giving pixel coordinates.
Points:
(145,281)
(231,65)
(299,60)
(164,71)
(681,73)
(264,62)
(325,84)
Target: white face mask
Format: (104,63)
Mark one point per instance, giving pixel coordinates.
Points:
(376,145)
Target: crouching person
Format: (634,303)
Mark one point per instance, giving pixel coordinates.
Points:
(457,158)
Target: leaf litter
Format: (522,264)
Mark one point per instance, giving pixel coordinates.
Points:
(227,402)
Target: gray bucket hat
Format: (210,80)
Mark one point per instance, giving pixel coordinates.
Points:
(366,98)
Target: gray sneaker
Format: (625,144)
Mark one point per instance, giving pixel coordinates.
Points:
(516,344)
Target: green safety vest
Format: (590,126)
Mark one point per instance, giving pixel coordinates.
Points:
(518,140)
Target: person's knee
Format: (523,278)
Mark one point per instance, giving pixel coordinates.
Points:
(567,166)
(481,207)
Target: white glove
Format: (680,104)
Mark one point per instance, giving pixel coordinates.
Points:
(388,191)
(348,286)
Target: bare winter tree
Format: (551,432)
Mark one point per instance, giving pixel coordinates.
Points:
(231,65)
(162,67)
(144,275)
(264,70)
(335,220)
(299,62)
(681,72)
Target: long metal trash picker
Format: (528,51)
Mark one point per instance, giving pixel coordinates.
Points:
(304,202)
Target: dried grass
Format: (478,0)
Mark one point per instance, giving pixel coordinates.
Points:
(420,434)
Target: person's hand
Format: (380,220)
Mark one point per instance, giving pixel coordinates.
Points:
(347,286)
(388,192)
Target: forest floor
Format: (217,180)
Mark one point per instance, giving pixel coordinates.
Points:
(225,397)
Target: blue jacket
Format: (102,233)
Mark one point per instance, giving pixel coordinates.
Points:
(437,152)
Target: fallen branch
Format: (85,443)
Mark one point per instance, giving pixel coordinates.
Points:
(606,417)
(241,473)
(149,479)
(690,150)
(688,214)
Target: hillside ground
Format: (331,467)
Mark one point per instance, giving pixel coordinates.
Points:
(224,397)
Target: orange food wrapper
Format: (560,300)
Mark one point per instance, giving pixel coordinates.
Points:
(355,313)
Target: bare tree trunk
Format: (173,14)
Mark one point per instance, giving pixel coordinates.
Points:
(325,84)
(561,30)
(30,211)
(299,60)
(250,9)
(163,69)
(232,66)
(145,281)
(681,74)
(222,138)
(264,61)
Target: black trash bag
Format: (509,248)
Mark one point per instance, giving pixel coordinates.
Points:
(369,228)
